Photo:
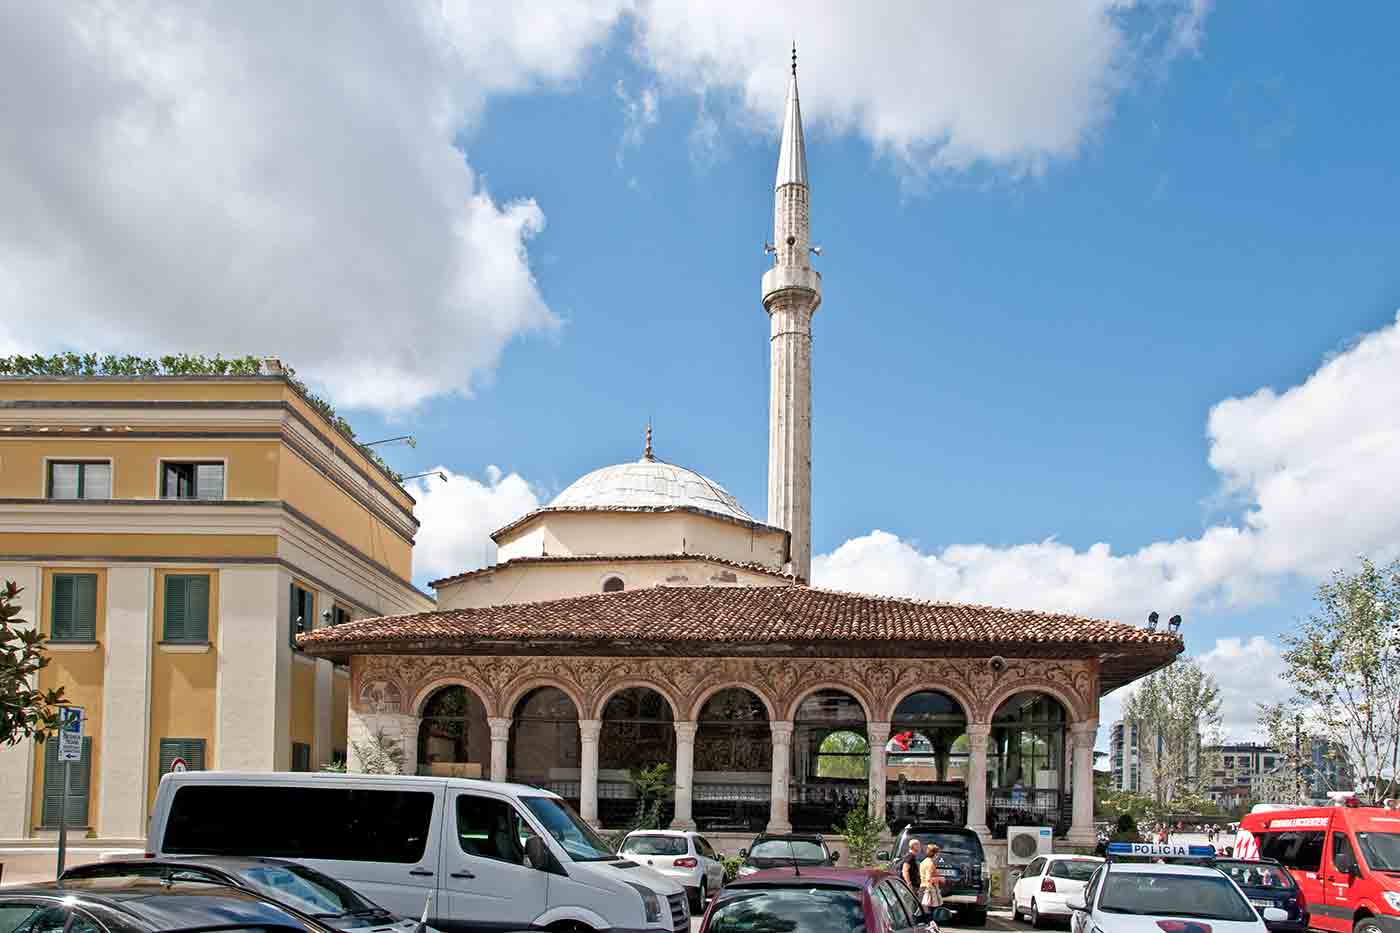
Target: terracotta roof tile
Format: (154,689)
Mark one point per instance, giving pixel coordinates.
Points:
(614,558)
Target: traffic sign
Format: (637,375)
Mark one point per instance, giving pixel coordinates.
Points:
(178,766)
(70,733)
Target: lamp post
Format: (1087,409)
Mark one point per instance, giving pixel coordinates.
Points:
(1298,758)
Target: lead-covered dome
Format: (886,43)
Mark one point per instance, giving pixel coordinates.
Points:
(647,485)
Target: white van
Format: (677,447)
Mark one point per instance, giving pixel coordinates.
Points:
(492,856)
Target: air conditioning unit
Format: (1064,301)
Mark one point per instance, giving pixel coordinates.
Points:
(1024,843)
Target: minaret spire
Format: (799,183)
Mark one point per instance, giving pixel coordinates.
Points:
(791,294)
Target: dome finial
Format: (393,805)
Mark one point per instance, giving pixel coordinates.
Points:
(794,58)
(646,454)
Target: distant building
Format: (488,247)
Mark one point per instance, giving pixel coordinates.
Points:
(1134,751)
(1236,769)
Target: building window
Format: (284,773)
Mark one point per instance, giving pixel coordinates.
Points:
(75,807)
(188,751)
(186,608)
(613,585)
(192,481)
(73,612)
(301,756)
(302,612)
(87,480)
(339,616)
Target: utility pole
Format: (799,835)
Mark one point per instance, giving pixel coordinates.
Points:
(1298,758)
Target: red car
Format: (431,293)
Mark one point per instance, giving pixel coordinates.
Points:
(818,900)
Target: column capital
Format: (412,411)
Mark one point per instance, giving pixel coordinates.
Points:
(500,729)
(782,731)
(878,732)
(685,731)
(1085,733)
(590,729)
(979,729)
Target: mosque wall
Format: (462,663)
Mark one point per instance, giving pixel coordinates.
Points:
(558,534)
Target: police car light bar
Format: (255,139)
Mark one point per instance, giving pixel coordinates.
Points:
(1159,850)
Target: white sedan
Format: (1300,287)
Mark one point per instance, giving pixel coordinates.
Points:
(1047,883)
(1153,898)
(681,856)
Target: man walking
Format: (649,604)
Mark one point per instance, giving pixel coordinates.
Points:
(909,869)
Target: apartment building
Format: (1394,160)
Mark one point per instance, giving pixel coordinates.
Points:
(1236,768)
(172,534)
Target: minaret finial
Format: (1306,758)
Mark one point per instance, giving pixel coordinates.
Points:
(646,454)
(794,58)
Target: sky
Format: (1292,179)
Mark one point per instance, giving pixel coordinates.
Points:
(1110,302)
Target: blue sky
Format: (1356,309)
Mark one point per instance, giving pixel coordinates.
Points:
(1036,290)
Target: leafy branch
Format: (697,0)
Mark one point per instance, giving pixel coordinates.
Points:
(25,712)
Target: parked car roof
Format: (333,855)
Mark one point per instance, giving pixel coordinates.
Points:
(786,877)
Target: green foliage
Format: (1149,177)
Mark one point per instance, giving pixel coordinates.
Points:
(379,754)
(860,830)
(1180,706)
(181,364)
(653,787)
(1343,663)
(843,754)
(731,865)
(24,711)
(336,767)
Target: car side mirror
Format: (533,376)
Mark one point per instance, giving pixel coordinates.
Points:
(1076,902)
(883,856)
(1275,915)
(743,853)
(538,853)
(835,857)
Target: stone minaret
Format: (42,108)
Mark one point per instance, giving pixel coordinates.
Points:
(792,289)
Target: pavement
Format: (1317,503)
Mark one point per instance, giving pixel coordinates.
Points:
(28,864)
(997,919)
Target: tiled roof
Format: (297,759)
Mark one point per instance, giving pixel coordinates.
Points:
(612,558)
(745,619)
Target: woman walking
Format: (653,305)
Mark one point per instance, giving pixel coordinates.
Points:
(930,880)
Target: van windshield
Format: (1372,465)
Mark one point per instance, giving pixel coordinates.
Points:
(569,830)
(1382,850)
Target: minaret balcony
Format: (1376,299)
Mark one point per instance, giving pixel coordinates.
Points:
(784,278)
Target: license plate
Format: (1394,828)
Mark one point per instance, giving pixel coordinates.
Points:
(1258,903)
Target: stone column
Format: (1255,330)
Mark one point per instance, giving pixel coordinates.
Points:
(977,734)
(588,732)
(126,698)
(878,735)
(500,746)
(782,757)
(685,774)
(1082,738)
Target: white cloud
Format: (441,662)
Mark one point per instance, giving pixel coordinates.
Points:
(640,112)
(1312,469)
(938,86)
(458,516)
(258,178)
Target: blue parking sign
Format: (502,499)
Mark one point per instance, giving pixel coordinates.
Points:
(71,719)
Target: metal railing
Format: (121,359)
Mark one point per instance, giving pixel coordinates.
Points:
(722,807)
(1026,808)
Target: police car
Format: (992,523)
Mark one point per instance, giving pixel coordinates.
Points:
(1153,897)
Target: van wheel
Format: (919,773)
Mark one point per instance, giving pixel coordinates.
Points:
(978,918)
(1366,925)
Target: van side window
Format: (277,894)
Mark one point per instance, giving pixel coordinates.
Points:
(339,823)
(1343,856)
(488,827)
(1301,850)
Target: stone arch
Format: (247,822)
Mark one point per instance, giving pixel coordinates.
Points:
(611,690)
(704,696)
(837,685)
(525,687)
(1067,699)
(965,700)
(433,686)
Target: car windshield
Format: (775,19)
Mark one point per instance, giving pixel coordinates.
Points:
(1073,869)
(307,891)
(788,910)
(1256,874)
(1381,850)
(1207,897)
(654,845)
(787,851)
(576,837)
(951,845)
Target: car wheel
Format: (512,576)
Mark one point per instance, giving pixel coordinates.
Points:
(1366,925)
(702,896)
(1035,916)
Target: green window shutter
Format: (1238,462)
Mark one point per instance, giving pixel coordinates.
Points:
(85,606)
(80,783)
(301,756)
(61,616)
(192,750)
(197,607)
(175,609)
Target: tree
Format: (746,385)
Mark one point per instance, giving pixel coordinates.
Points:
(1344,667)
(1174,710)
(379,754)
(860,830)
(25,712)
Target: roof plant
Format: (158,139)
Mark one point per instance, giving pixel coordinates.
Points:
(182,364)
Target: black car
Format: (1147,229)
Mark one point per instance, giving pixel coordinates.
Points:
(779,850)
(1268,884)
(286,883)
(143,905)
(967,880)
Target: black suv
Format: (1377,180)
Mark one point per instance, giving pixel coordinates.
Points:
(772,850)
(961,862)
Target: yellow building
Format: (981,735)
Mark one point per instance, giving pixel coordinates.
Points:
(172,534)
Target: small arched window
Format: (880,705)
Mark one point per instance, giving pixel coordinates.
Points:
(613,585)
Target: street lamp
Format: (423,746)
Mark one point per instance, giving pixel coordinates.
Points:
(438,473)
(408,439)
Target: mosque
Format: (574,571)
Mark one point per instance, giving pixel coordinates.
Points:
(643,617)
